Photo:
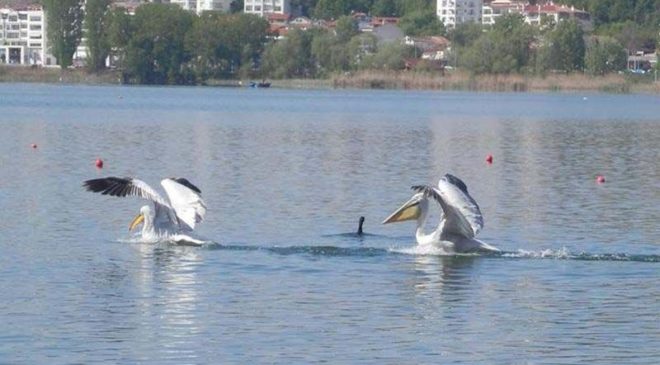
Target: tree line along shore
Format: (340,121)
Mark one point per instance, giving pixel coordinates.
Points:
(403,80)
(164,44)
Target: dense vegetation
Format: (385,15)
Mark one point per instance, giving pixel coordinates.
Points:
(164,44)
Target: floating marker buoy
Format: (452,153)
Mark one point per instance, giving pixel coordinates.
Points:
(99,163)
(600,179)
(489,159)
(34,145)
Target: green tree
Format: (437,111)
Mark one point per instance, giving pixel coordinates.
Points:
(236,6)
(332,9)
(390,56)
(421,23)
(96,32)
(155,53)
(411,6)
(465,34)
(565,47)
(329,54)
(290,57)
(385,8)
(119,32)
(605,55)
(64,19)
(120,28)
(222,44)
(346,28)
(633,36)
(304,7)
(504,49)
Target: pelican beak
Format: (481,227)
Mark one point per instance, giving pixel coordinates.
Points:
(408,211)
(136,221)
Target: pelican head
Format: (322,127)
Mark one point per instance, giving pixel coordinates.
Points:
(145,214)
(415,208)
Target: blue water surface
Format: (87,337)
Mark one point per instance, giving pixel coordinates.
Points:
(284,174)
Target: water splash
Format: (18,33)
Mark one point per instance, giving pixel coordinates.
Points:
(566,254)
(426,250)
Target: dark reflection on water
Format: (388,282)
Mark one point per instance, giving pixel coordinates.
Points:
(284,174)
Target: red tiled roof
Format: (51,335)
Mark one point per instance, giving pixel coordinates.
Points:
(278,17)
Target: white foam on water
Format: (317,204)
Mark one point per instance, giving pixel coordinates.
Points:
(422,250)
(562,253)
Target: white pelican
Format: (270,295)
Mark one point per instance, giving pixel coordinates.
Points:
(460,219)
(171,221)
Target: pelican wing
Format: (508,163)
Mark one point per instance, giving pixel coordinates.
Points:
(461,214)
(122,187)
(186,200)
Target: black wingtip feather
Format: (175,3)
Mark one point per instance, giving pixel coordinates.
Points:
(107,185)
(457,182)
(428,191)
(183,181)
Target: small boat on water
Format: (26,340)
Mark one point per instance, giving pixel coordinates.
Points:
(259,84)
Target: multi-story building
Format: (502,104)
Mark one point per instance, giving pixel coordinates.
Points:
(495,9)
(186,4)
(215,5)
(453,12)
(534,14)
(265,7)
(23,37)
(199,6)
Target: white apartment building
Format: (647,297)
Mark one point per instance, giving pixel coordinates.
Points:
(215,5)
(265,7)
(23,37)
(198,6)
(495,9)
(453,12)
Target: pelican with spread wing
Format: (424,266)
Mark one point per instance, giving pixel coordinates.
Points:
(167,221)
(460,220)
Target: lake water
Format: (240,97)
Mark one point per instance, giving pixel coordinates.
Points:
(284,173)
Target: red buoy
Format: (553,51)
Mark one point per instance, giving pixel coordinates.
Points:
(99,163)
(600,179)
(489,159)
(34,145)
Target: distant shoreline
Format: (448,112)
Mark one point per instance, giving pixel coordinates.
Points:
(399,80)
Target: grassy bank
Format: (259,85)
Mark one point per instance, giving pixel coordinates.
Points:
(56,75)
(464,81)
(454,80)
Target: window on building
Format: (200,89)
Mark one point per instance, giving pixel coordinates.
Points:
(22,16)
(278,8)
(35,18)
(35,26)
(248,7)
(257,8)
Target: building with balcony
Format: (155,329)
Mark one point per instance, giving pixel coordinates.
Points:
(534,14)
(265,7)
(495,9)
(453,12)
(23,36)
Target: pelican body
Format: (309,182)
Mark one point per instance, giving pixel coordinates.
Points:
(460,220)
(166,221)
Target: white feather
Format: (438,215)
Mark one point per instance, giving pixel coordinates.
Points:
(187,203)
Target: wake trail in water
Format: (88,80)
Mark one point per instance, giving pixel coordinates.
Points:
(561,254)
(364,251)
